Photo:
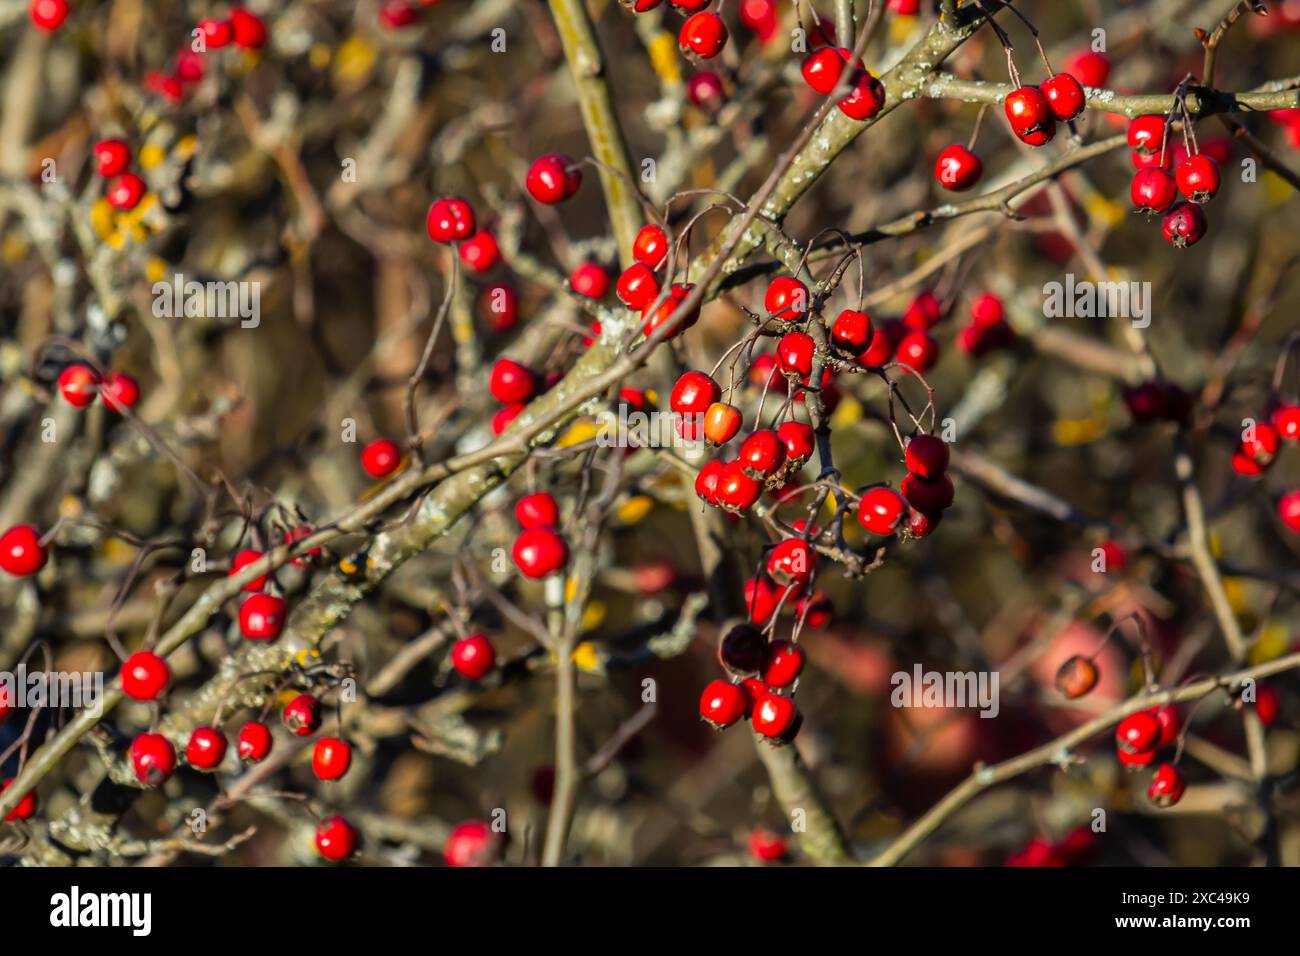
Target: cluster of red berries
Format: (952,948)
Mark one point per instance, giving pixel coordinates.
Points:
(1034,111)
(80,384)
(766,671)
(241,28)
(987,330)
(1154,190)
(1074,848)
(703,33)
(124,189)
(823,69)
(540,550)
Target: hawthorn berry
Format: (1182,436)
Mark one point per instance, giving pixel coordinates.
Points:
(924,312)
(920,524)
(852,331)
(540,551)
(1076,677)
(957,168)
(1146,135)
(1286,419)
(502,419)
(21,551)
(866,97)
(823,67)
(473,656)
(1266,703)
(1028,111)
(247,29)
(650,247)
(1183,226)
(253,742)
(884,342)
(480,251)
(1153,190)
(815,610)
(498,304)
(766,846)
(799,441)
(736,491)
(471,843)
(791,561)
(450,220)
(784,664)
(918,350)
(336,839)
(706,482)
(397,14)
(743,650)
(301,533)
(926,456)
(1090,67)
(693,393)
(537,510)
(1134,761)
(512,382)
(381,457)
(112,156)
(25,808)
(721,422)
(637,287)
(1138,733)
(761,454)
(1198,178)
(302,715)
(48,15)
(120,391)
(655,316)
(1167,786)
(331,758)
(145,675)
(206,748)
(125,191)
(591,280)
(1288,509)
(762,598)
(1065,96)
(930,497)
(79,384)
(704,90)
(242,560)
(553,178)
(881,510)
(153,758)
(794,354)
(703,34)
(775,718)
(261,617)
(1171,723)
(987,310)
(216,33)
(1260,444)
(722,704)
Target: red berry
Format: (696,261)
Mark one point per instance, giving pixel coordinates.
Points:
(1076,677)
(791,561)
(987,311)
(1153,190)
(254,741)
(1167,786)
(1286,419)
(153,759)
(1184,226)
(721,422)
(918,350)
(761,453)
(120,391)
(145,675)
(786,298)
(1138,733)
(206,749)
(794,354)
(1288,509)
(775,717)
(591,280)
(815,610)
(261,617)
(511,382)
(302,715)
(1266,704)
(537,510)
(79,385)
(21,551)
(480,251)
(473,656)
(125,191)
(704,90)
(706,482)
(722,704)
(1198,178)
(650,247)
(502,419)
(823,67)
(637,287)
(881,510)
(693,393)
(866,98)
(703,34)
(1134,761)
(381,457)
(472,844)
(25,808)
(881,348)
(924,312)
(1261,444)
(112,156)
(921,524)
(189,66)
(957,168)
(799,441)
(247,28)
(499,306)
(243,560)
(552,178)
(331,758)
(1028,111)
(397,14)
(784,664)
(737,492)
(1065,96)
(766,846)
(852,331)
(930,497)
(1146,135)
(1091,68)
(336,839)
(450,220)
(1171,724)
(49,15)
(653,318)
(539,552)
(743,650)
(927,456)
(216,33)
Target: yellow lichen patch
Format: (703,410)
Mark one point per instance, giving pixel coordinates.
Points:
(1102,209)
(348,566)
(101,217)
(319,56)
(665,59)
(118,552)
(155,269)
(586,658)
(282,698)
(115,240)
(1077,431)
(306,658)
(1238,593)
(634,510)
(651,396)
(187,146)
(846,413)
(151,156)
(354,61)
(14,247)
(593,615)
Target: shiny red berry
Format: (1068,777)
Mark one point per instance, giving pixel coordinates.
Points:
(737,491)
(539,552)
(1065,96)
(761,453)
(775,717)
(553,178)
(253,742)
(125,191)
(881,510)
(331,758)
(1184,226)
(336,839)
(537,510)
(791,561)
(706,482)
(21,551)
(1167,786)
(852,331)
(302,715)
(472,844)
(79,384)
(153,758)
(927,456)
(1153,190)
(917,350)
(1090,67)
(786,298)
(450,220)
(480,251)
(261,617)
(25,808)
(145,675)
(703,34)
(206,748)
(799,441)
(637,287)
(929,497)
(693,393)
(591,280)
(866,97)
(794,354)
(242,560)
(120,391)
(722,704)
(1198,178)
(704,90)
(473,656)
(654,317)
(957,168)
(823,67)
(216,33)
(650,247)
(784,664)
(1138,733)
(248,29)
(112,156)
(512,382)
(1027,110)
(48,15)
(1146,135)
(1288,509)
(381,457)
